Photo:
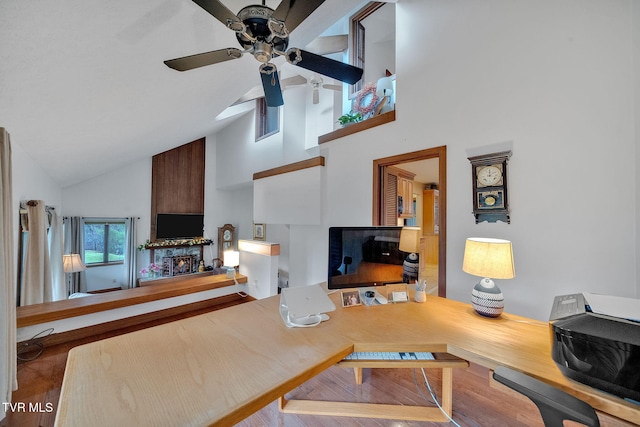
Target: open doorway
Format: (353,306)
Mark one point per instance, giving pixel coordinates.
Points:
(411,200)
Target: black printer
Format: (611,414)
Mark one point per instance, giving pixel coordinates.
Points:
(599,350)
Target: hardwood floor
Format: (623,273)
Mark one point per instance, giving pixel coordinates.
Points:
(474,402)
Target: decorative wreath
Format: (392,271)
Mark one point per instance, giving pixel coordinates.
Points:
(366,100)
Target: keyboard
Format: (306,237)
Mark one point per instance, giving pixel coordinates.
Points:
(390,355)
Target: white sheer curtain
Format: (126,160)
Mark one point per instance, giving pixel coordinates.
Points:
(36,286)
(130,256)
(8,360)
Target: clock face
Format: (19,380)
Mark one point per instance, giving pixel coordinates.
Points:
(489,176)
(226,235)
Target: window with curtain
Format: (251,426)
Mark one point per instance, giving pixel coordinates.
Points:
(104,242)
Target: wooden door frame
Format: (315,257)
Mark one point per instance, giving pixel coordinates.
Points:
(430,153)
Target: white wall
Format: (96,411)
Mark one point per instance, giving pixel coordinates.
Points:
(636,72)
(564,96)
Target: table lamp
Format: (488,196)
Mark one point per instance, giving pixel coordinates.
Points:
(72,263)
(384,91)
(231,260)
(490,259)
(410,242)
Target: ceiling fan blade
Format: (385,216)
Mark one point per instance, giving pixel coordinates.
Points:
(316,95)
(271,85)
(293,81)
(218,11)
(328,44)
(325,66)
(293,12)
(201,59)
(333,87)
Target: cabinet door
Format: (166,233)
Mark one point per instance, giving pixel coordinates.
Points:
(429,212)
(405,189)
(390,208)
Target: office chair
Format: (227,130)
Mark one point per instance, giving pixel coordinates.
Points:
(554,404)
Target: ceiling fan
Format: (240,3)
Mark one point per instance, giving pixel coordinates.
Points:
(315,83)
(264,33)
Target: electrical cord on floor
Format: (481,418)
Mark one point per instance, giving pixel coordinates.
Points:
(433,396)
(241,293)
(33,344)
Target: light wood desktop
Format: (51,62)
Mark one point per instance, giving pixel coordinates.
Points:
(220,367)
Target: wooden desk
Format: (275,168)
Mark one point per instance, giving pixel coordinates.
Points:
(220,367)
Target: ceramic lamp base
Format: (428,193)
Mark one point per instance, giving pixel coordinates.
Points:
(410,268)
(487,299)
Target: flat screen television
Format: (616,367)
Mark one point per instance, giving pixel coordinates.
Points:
(364,256)
(179,226)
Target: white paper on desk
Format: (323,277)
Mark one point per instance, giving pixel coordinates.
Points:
(624,308)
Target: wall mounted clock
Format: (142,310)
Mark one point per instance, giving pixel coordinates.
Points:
(490,196)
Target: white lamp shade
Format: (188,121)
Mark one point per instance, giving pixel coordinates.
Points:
(72,263)
(231,258)
(384,87)
(410,239)
(486,257)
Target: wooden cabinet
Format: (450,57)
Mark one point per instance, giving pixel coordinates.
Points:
(403,191)
(405,197)
(430,218)
(430,231)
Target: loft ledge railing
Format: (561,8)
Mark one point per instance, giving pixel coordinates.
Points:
(358,127)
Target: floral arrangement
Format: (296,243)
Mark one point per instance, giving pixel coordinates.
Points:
(151,268)
(366,100)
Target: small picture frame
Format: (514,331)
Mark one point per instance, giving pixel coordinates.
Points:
(259,231)
(398,292)
(351,298)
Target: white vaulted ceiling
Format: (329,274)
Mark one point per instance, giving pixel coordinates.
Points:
(83,87)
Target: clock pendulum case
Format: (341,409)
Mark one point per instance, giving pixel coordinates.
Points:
(226,239)
(490,189)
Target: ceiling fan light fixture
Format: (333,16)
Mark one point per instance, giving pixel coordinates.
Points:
(262,51)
